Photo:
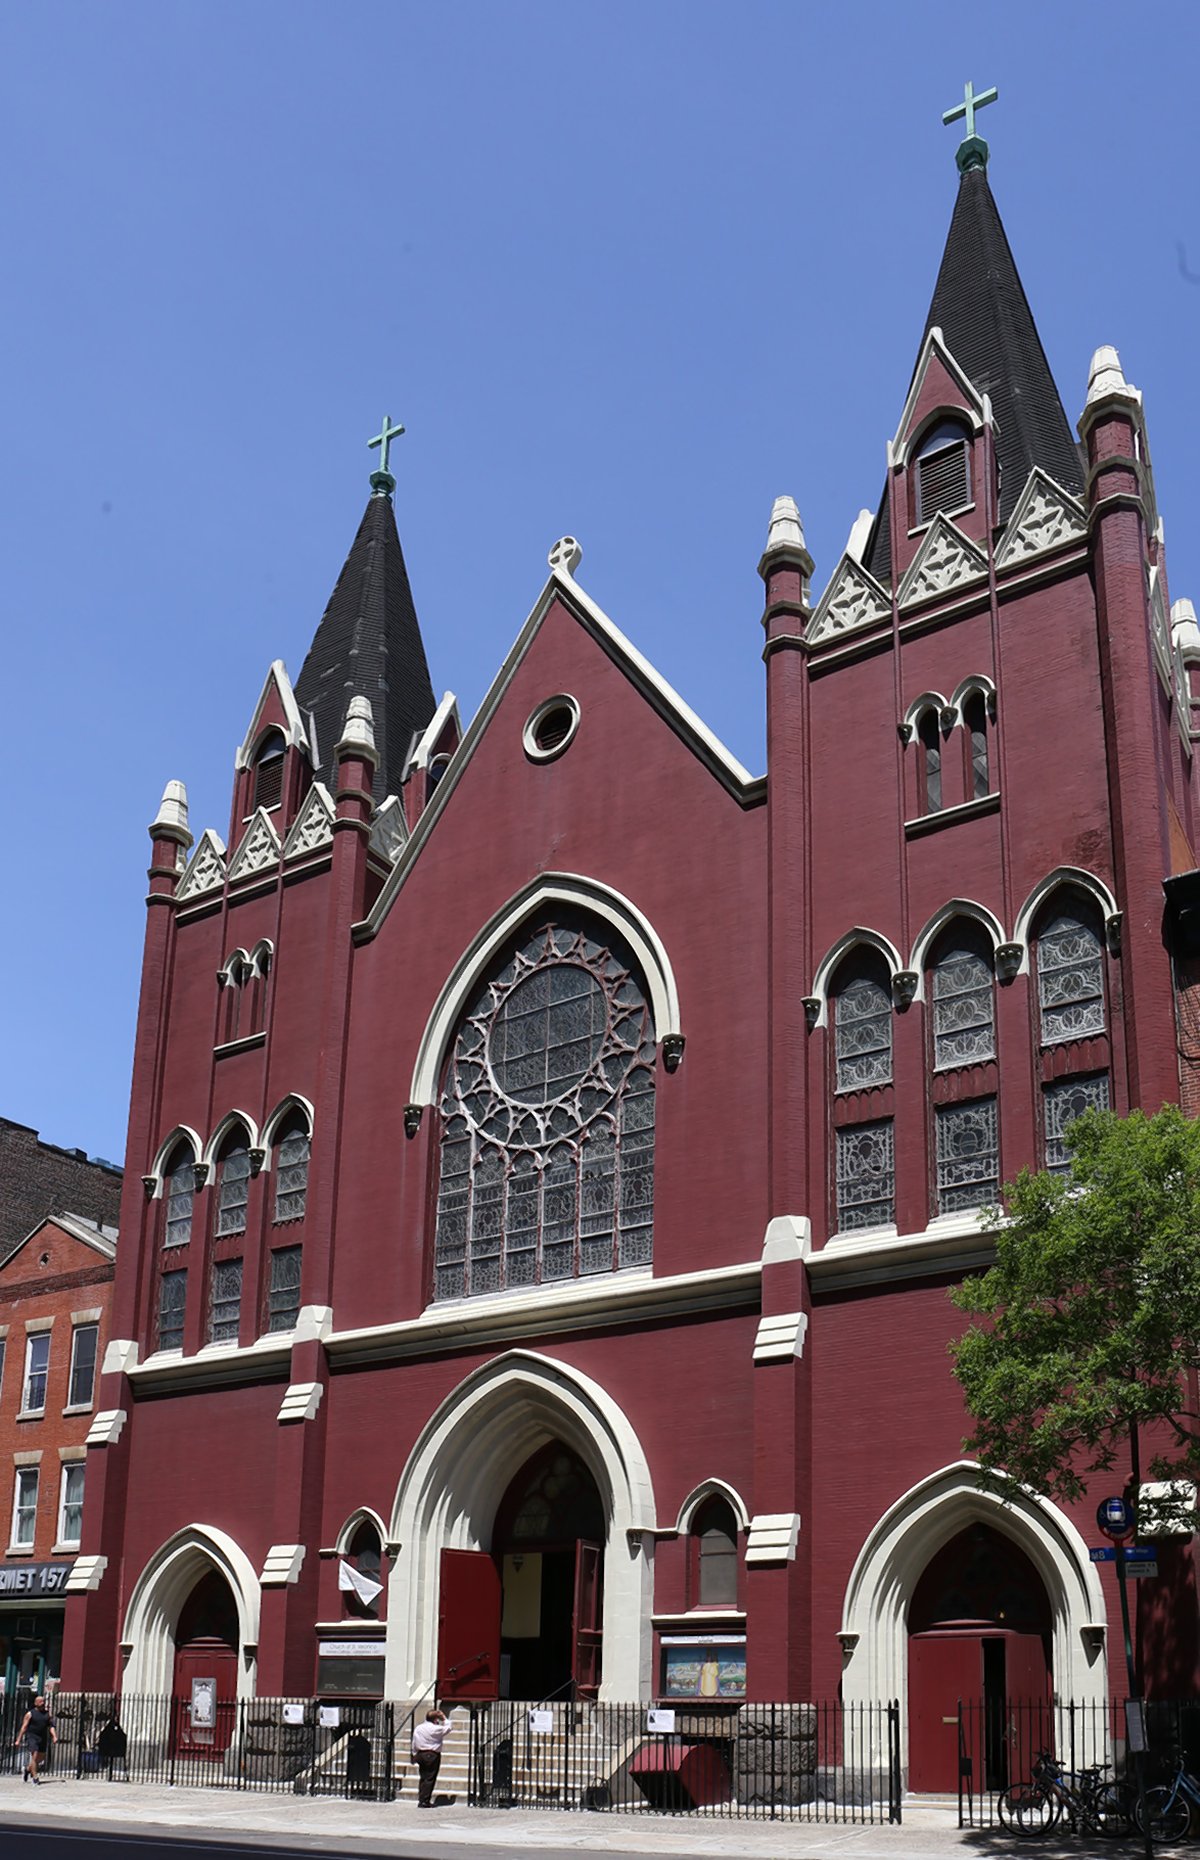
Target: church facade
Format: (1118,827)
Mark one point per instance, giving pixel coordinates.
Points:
(550,1143)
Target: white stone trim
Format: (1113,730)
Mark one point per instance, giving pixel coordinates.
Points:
(426,744)
(773,1537)
(961,563)
(788,1236)
(389,829)
(181,1133)
(161,1590)
(230,1120)
(1064,876)
(362,1515)
(292,729)
(779,1339)
(301,1401)
(945,914)
(852,602)
(928,700)
(294,1101)
(313,825)
(712,1488)
(86,1575)
(870,939)
(975,683)
(282,1566)
(72,1453)
(529,742)
(37,1324)
(1045,517)
(976,411)
(105,1430)
(456,1475)
(585,894)
(120,1357)
(205,870)
(32,1456)
(258,848)
(92,1315)
(879,1255)
(913,1529)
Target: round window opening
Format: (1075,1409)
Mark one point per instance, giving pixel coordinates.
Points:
(551,728)
(548,1033)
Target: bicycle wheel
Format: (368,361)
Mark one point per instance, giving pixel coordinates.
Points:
(1168,1815)
(1113,1810)
(1028,1808)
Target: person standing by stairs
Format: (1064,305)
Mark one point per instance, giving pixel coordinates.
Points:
(427,1742)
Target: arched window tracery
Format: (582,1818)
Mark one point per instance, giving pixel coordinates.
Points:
(1070,969)
(178,1197)
(547,1154)
(964,1015)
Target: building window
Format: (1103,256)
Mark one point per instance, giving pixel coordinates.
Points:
(1064,1101)
(968,1156)
(70,1503)
(233,1192)
(963,1008)
(37,1370)
(929,732)
(179,1190)
(1070,966)
(291,1177)
(715,1562)
(25,1498)
(862,1029)
(975,720)
(268,770)
(866,1176)
(84,1342)
(547,1164)
(172,1300)
(364,1554)
(225,1305)
(2,1354)
(283,1293)
(943,468)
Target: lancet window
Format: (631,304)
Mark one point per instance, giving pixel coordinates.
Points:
(178,1197)
(964,1030)
(291,1169)
(1070,969)
(865,1167)
(1064,1101)
(968,1156)
(714,1562)
(233,1185)
(979,771)
(268,770)
(929,732)
(862,1027)
(547,1155)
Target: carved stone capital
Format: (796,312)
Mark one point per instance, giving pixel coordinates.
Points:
(1008,961)
(199,1175)
(812,1011)
(257,1159)
(904,988)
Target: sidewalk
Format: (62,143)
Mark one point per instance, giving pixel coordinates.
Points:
(369,1828)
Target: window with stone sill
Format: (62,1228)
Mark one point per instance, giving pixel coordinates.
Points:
(862,1031)
(292,1152)
(70,1503)
(25,1499)
(1062,1103)
(225,1301)
(713,1572)
(547,1151)
(976,727)
(283,1291)
(865,1171)
(172,1303)
(37,1372)
(178,1197)
(1070,973)
(85,1340)
(233,1187)
(968,1156)
(964,1031)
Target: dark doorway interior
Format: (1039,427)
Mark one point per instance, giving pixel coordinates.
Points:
(549,1529)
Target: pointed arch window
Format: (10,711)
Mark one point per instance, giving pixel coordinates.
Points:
(364,1558)
(178,1197)
(268,770)
(233,1185)
(862,1031)
(293,1148)
(930,736)
(943,470)
(714,1560)
(979,770)
(964,1029)
(547,1159)
(1070,970)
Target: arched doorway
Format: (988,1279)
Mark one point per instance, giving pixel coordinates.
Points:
(206,1668)
(547,1544)
(979,1631)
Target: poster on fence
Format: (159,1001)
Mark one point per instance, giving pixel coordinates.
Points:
(660,1720)
(541,1722)
(293,1714)
(330,1716)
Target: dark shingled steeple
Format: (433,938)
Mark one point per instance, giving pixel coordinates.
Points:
(369,645)
(979,304)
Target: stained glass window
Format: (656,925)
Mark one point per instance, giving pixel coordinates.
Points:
(931,741)
(234,1190)
(968,1155)
(291,1179)
(283,1293)
(866,1176)
(226,1303)
(862,1026)
(178,1192)
(547,1166)
(172,1300)
(975,717)
(1066,1100)
(963,1011)
(1070,965)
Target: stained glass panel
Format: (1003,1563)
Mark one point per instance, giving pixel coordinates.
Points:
(1070,964)
(181,1188)
(862,1016)
(1064,1101)
(234,1191)
(968,1155)
(291,1182)
(963,1028)
(866,1176)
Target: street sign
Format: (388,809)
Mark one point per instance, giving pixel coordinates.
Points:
(1139,1559)
(1114,1517)
(1142,1569)
(1107,1555)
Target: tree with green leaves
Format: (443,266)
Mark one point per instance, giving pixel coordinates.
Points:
(1086,1330)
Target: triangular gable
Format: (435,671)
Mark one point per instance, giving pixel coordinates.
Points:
(1045,518)
(563,588)
(444,722)
(389,830)
(276,685)
(259,848)
(206,868)
(313,825)
(853,601)
(934,348)
(946,560)
(75,1228)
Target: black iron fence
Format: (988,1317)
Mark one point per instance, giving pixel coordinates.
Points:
(999,1740)
(747,1762)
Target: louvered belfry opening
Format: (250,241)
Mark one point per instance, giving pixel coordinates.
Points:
(943,473)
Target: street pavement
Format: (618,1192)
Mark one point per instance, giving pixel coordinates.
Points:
(112,1821)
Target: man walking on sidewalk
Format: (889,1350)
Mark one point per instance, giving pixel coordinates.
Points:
(427,1742)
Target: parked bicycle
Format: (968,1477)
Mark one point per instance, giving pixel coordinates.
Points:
(1169,1806)
(1087,1800)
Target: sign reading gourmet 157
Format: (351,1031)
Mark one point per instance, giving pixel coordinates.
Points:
(34,1578)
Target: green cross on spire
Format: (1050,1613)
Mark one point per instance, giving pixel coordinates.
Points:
(382,480)
(972,151)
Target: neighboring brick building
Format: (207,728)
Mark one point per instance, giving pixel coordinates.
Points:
(55,1291)
(38,1178)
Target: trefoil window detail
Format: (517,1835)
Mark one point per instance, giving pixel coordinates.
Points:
(1064,1101)
(547,1162)
(862,1025)
(968,1155)
(1070,966)
(963,1009)
(866,1176)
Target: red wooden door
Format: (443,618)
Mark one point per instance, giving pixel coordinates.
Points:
(942,1669)
(587,1619)
(205,1698)
(469,1626)
(1028,1717)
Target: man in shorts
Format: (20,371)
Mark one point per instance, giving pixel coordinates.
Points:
(36,1733)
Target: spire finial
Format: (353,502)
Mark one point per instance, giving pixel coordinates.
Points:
(171,820)
(382,482)
(972,151)
(358,731)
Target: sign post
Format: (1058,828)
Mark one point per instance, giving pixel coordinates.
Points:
(1115,1518)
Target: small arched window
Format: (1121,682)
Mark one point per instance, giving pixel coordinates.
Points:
(930,734)
(179,1189)
(715,1555)
(976,723)
(233,1184)
(364,1556)
(862,1033)
(943,470)
(268,770)
(293,1145)
(1070,970)
(964,1029)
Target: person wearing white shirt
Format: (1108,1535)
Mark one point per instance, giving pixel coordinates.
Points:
(427,1741)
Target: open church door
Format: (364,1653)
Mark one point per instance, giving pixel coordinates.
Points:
(468,1626)
(588,1618)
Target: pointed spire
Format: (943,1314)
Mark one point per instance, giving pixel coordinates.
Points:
(369,645)
(171,820)
(1106,376)
(785,542)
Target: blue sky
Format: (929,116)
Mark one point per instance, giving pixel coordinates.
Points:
(624,270)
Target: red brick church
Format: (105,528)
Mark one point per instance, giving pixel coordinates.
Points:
(551,1142)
